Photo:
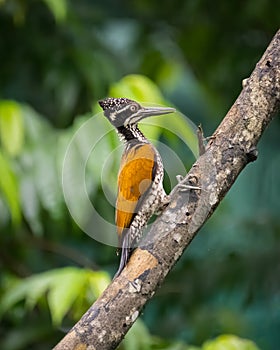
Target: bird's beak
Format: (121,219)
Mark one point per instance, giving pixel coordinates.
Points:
(152,111)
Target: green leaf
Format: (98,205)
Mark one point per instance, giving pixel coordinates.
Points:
(58,8)
(39,171)
(67,284)
(29,289)
(229,342)
(11,127)
(179,126)
(61,286)
(137,87)
(138,337)
(29,194)
(9,189)
(98,280)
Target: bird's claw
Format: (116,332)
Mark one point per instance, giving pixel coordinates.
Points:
(181,183)
(184,185)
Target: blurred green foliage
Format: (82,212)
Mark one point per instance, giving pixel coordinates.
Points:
(57,59)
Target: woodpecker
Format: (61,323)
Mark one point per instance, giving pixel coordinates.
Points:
(140,189)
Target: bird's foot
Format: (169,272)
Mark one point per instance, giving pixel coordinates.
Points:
(201,140)
(184,184)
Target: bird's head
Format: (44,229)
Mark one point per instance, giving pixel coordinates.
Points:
(125,112)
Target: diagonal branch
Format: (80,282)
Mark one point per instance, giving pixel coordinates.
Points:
(230,149)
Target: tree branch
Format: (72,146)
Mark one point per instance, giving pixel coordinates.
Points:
(230,149)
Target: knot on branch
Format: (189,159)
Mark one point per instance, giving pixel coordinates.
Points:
(252,155)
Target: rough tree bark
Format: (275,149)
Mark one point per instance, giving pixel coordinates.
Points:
(230,149)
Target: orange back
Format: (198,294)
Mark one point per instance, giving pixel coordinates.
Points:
(135,178)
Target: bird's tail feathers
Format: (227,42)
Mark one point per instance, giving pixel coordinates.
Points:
(125,254)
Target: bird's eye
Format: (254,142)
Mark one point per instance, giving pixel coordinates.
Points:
(133,108)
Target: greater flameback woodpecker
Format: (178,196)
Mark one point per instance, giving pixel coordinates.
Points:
(140,189)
